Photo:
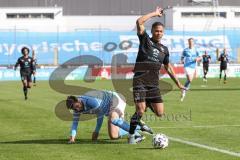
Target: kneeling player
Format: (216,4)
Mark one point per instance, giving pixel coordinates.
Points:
(102,103)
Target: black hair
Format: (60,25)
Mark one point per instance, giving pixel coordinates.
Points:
(155,24)
(190,38)
(70,100)
(22,50)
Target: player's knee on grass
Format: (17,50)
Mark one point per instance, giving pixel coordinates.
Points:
(112,130)
(113,115)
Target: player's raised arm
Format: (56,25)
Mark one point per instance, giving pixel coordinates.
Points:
(140,21)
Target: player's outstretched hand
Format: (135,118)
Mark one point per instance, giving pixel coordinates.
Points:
(159,11)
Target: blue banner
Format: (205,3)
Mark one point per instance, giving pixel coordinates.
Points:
(104,44)
(42,74)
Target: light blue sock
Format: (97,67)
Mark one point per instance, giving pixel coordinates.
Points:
(122,124)
(187,84)
(122,132)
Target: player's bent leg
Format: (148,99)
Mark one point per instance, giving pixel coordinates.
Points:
(113,130)
(225,76)
(220,75)
(25,89)
(158,109)
(29,81)
(190,77)
(135,120)
(29,84)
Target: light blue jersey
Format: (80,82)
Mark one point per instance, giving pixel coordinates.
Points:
(94,102)
(189,56)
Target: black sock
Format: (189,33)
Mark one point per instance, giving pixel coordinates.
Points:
(134,122)
(220,76)
(225,77)
(25,90)
(34,79)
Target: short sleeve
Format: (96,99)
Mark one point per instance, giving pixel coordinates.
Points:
(143,37)
(166,58)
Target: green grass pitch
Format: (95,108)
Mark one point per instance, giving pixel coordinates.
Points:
(208,116)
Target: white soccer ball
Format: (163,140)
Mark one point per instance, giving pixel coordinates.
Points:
(160,141)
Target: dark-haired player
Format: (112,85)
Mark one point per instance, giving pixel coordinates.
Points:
(27,67)
(151,55)
(101,104)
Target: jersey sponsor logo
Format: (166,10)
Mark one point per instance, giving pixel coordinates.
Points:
(155,52)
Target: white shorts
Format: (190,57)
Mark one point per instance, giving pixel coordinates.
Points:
(190,71)
(118,104)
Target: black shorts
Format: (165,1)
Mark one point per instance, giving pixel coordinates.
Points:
(223,67)
(26,76)
(148,94)
(205,67)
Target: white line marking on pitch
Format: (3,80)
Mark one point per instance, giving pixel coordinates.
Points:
(205,147)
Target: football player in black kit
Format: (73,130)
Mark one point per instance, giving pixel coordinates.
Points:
(151,55)
(206,60)
(223,65)
(27,67)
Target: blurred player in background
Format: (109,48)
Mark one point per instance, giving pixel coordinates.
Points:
(223,65)
(27,67)
(190,57)
(151,55)
(35,63)
(102,103)
(206,59)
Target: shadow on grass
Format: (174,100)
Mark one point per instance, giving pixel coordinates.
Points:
(149,148)
(64,141)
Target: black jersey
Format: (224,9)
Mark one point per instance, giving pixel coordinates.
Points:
(27,65)
(223,59)
(206,59)
(151,56)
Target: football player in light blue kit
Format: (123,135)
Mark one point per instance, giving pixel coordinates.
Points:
(190,57)
(102,103)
